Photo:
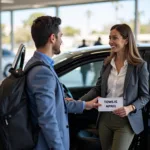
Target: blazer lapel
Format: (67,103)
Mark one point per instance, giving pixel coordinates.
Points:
(128,76)
(61,87)
(105,79)
(36,55)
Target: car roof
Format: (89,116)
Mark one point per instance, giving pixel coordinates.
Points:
(80,51)
(77,52)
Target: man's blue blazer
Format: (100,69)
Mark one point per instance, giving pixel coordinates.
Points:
(49,109)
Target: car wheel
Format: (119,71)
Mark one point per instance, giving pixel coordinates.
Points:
(6,70)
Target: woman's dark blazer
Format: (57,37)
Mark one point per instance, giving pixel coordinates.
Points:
(136,91)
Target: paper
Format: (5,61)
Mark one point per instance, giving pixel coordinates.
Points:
(110,104)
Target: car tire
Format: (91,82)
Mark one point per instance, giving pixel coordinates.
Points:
(6,70)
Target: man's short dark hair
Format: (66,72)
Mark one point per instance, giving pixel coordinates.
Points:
(42,28)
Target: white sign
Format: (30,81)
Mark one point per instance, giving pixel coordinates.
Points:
(110,104)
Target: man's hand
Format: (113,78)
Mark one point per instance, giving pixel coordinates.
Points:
(92,104)
(123,111)
(69,99)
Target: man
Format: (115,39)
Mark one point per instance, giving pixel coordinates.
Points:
(83,44)
(85,68)
(49,109)
(97,66)
(98,42)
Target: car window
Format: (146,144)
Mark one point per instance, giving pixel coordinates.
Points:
(85,75)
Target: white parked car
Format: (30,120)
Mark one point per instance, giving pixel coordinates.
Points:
(7,60)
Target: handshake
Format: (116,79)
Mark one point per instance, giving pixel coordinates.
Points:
(88,105)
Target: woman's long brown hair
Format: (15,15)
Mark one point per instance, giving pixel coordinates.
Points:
(132,54)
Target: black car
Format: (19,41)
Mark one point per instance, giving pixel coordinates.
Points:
(7,60)
(68,67)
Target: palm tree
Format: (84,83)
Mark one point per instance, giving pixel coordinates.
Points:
(88,15)
(117,5)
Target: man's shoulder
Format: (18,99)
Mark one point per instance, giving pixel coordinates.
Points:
(29,62)
(37,69)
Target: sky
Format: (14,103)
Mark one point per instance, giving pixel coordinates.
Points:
(75,16)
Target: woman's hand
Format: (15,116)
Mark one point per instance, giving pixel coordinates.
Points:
(123,111)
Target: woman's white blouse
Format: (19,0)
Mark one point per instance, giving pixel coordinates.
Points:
(116,81)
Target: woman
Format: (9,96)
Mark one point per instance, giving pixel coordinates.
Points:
(125,75)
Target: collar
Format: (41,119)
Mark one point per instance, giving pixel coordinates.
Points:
(46,58)
(114,65)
